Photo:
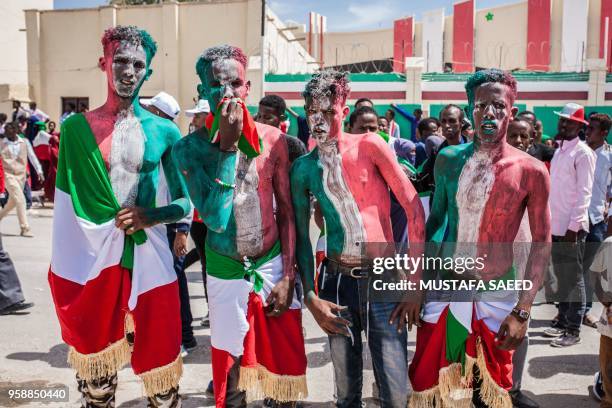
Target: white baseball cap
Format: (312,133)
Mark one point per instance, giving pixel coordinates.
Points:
(165,103)
(201,107)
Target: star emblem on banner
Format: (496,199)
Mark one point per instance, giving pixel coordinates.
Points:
(489,16)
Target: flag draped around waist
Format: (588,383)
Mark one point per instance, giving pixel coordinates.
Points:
(224,267)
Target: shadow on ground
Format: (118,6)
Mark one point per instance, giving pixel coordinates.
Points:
(56,357)
(579,364)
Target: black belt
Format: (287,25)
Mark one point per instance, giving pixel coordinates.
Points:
(333,268)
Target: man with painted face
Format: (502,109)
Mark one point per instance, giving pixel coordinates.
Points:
(111,274)
(350,177)
(484,190)
(234,168)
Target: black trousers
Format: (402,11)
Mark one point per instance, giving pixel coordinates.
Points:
(10,287)
(186,317)
(198,234)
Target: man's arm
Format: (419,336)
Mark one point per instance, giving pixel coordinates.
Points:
(411,118)
(179,205)
(438,214)
(301,206)
(585,169)
(538,211)
(213,199)
(403,189)
(33,159)
(285,217)
(537,182)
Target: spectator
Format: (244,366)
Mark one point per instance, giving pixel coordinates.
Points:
(198,230)
(52,128)
(39,114)
(41,147)
(364,102)
(71,111)
(413,118)
(383,125)
(596,133)
(53,157)
(11,295)
(198,113)
(18,110)
(571,174)
(165,106)
(467,131)
(519,134)
(272,112)
(429,131)
(14,152)
(394,129)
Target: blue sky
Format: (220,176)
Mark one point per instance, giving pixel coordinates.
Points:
(342,15)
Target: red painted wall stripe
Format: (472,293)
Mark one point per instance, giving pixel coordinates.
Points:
(463,36)
(606,12)
(544,96)
(608,96)
(403,45)
(538,35)
(354,95)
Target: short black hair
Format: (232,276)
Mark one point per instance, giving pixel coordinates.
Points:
(604,121)
(275,102)
(391,113)
(424,124)
(519,120)
(526,113)
(360,111)
(418,110)
(364,100)
(454,105)
(3,117)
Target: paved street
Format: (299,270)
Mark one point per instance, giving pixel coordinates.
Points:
(33,355)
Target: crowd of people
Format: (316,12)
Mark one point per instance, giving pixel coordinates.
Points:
(126,180)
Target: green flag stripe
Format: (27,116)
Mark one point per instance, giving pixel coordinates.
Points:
(82,174)
(456,336)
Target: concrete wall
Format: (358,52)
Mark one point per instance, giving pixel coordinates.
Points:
(501,42)
(13,63)
(346,48)
(64,48)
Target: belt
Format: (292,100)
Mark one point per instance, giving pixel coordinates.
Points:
(333,268)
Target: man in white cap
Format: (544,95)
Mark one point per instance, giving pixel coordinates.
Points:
(571,175)
(199,113)
(163,105)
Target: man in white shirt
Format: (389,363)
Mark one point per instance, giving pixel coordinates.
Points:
(571,174)
(596,134)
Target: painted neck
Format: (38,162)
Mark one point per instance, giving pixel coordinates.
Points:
(115,103)
(495,150)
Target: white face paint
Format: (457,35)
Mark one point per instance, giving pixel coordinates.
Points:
(129,68)
(321,114)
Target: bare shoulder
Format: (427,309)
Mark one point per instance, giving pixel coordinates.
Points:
(269,134)
(528,163)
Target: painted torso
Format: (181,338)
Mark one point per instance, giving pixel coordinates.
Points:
(133,144)
(353,195)
(252,228)
(486,200)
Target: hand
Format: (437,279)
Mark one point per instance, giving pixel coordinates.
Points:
(406,312)
(180,244)
(280,297)
(324,313)
(132,219)
(230,123)
(570,236)
(511,333)
(41,178)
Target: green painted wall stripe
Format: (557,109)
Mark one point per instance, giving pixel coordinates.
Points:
(520,76)
(382,77)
